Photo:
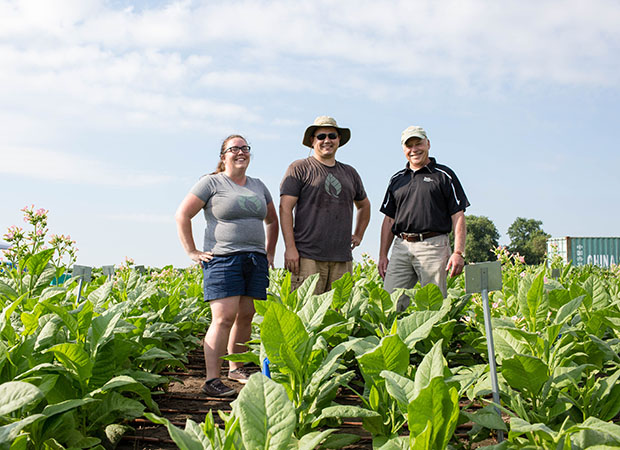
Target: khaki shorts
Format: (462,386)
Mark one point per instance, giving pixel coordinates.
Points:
(329,271)
(423,261)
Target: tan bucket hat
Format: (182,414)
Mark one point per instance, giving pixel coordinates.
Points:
(325,121)
(412,131)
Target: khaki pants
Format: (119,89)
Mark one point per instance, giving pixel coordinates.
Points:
(423,261)
(329,271)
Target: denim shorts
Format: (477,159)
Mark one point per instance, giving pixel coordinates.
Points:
(244,273)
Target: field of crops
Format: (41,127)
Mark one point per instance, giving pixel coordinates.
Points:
(81,363)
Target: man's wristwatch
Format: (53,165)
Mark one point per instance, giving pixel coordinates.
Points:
(460,253)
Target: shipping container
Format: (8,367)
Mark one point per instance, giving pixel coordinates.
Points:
(597,251)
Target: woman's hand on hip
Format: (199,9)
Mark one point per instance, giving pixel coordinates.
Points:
(198,256)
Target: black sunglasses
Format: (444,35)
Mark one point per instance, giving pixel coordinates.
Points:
(322,136)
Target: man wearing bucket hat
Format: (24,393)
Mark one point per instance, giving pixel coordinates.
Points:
(322,192)
(423,203)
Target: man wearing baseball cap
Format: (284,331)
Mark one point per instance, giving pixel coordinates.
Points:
(322,191)
(423,203)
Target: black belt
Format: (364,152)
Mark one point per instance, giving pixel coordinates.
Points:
(417,237)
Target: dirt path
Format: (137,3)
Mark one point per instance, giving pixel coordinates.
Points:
(184,400)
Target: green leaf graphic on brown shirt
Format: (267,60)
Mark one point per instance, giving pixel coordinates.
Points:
(249,203)
(332,185)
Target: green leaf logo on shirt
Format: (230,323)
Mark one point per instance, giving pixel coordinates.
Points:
(332,185)
(249,203)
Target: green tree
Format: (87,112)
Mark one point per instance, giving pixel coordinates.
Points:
(528,239)
(482,236)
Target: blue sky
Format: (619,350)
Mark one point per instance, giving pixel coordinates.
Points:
(111,110)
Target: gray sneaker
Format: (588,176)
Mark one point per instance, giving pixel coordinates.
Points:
(240,375)
(215,388)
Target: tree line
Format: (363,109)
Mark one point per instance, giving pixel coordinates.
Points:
(526,238)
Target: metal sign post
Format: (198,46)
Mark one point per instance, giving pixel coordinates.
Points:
(108,271)
(85,273)
(485,277)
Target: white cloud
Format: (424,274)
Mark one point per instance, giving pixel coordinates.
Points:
(189,64)
(67,168)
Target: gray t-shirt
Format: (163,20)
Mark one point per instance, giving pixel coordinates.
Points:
(324,210)
(234,214)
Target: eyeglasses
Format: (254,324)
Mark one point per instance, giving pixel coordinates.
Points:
(322,136)
(235,149)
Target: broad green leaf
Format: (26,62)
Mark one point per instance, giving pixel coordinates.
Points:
(303,292)
(342,290)
(102,329)
(609,395)
(74,358)
(381,297)
(266,415)
(424,439)
(51,293)
(30,322)
(569,309)
(44,280)
(417,326)
(9,432)
(281,325)
(84,317)
(507,345)
(390,443)
(101,294)
(487,417)
(67,319)
(17,394)
(439,405)
(605,348)
(182,438)
(7,291)
(536,302)
(432,366)
(338,440)
(345,411)
(292,364)
(429,298)
(37,263)
(391,354)
(327,368)
(113,407)
(525,372)
(399,387)
(598,293)
(558,298)
(67,405)
(124,383)
(592,423)
(519,426)
(314,310)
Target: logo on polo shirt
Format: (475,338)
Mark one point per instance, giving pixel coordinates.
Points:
(428,179)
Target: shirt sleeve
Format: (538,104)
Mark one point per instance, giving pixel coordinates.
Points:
(360,192)
(292,181)
(268,198)
(388,206)
(204,189)
(458,199)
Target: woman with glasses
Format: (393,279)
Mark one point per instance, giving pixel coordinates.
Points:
(236,255)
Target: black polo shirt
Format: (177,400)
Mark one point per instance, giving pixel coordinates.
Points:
(424,200)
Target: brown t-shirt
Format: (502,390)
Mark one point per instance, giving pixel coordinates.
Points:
(323,216)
